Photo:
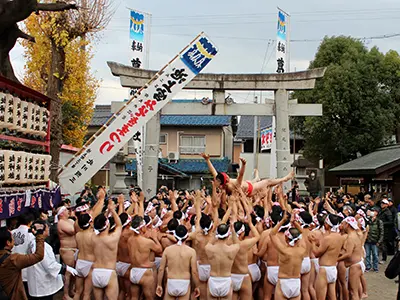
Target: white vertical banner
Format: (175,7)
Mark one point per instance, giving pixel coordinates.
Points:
(139,37)
(282,43)
(135,113)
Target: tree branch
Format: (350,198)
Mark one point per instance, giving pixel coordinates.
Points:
(58,6)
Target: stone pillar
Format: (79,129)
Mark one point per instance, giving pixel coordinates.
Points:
(150,156)
(282,136)
(120,175)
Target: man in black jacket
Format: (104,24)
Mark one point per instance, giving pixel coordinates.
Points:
(385,215)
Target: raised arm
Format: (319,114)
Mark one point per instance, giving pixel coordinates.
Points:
(172,198)
(241,172)
(98,207)
(121,207)
(210,165)
(141,204)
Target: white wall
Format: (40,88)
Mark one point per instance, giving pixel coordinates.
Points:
(263,164)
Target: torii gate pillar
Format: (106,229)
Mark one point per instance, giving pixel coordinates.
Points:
(282,135)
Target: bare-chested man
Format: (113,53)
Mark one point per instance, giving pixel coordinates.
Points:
(85,257)
(68,248)
(352,257)
(291,255)
(104,277)
(123,259)
(248,187)
(221,257)
(203,234)
(269,254)
(241,281)
(304,219)
(327,250)
(180,260)
(140,253)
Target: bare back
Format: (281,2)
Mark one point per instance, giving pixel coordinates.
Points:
(221,257)
(105,250)
(290,260)
(199,245)
(140,253)
(333,243)
(123,251)
(179,261)
(85,244)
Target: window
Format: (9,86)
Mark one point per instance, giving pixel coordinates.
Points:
(163,138)
(195,144)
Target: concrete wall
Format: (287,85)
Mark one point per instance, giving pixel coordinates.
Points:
(237,150)
(263,164)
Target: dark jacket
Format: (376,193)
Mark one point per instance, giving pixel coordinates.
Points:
(393,270)
(376,232)
(10,269)
(387,218)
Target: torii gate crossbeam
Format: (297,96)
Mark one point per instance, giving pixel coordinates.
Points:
(219,83)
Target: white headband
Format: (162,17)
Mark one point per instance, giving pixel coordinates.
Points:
(127,204)
(287,226)
(82,208)
(136,230)
(335,228)
(291,238)
(149,208)
(241,230)
(163,212)
(180,238)
(221,237)
(352,222)
(98,231)
(62,209)
(159,223)
(88,223)
(127,221)
(206,230)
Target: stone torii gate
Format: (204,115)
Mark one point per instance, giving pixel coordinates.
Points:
(219,84)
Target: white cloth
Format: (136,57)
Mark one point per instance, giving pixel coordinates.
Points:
(331,273)
(101,277)
(121,268)
(290,287)
(237,280)
(22,238)
(178,287)
(219,286)
(362,265)
(273,272)
(255,272)
(157,262)
(44,278)
(83,267)
(137,274)
(315,261)
(204,272)
(305,266)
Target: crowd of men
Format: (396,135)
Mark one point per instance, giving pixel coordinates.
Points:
(243,240)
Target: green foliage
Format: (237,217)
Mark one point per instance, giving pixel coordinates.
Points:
(360,95)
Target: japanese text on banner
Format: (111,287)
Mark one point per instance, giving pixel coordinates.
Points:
(266,138)
(281,43)
(145,104)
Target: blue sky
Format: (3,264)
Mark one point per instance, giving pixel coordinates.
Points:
(242,30)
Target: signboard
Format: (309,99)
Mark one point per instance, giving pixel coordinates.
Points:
(282,63)
(266,138)
(144,105)
(139,36)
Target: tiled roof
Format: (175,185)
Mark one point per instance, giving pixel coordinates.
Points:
(188,166)
(373,163)
(102,113)
(195,120)
(246,127)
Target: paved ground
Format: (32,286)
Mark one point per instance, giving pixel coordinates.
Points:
(379,287)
